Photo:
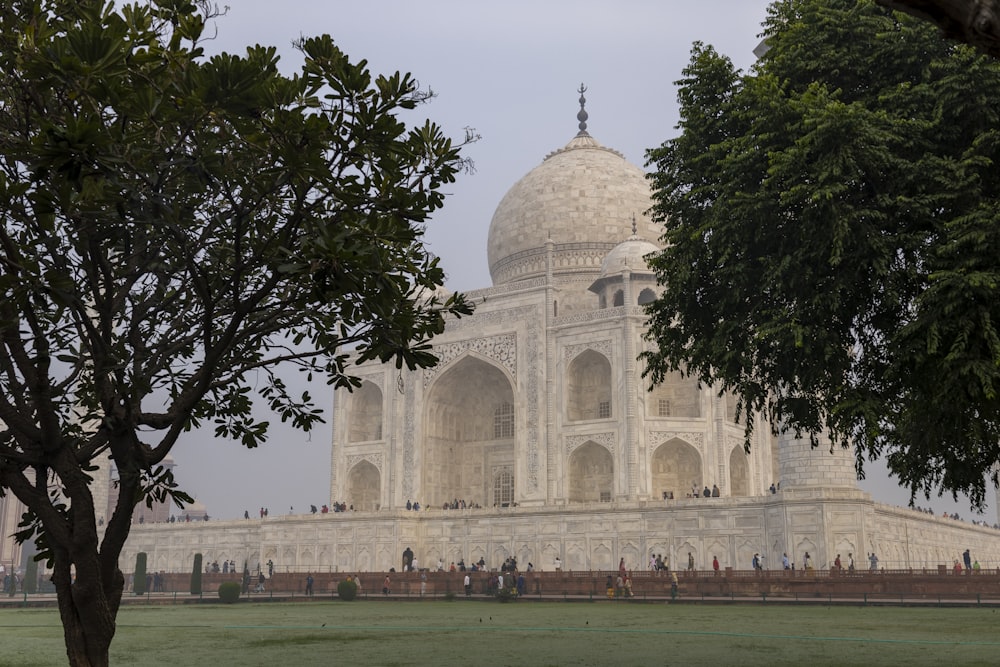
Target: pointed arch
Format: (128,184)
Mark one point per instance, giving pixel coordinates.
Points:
(646,296)
(739,472)
(676,467)
(678,396)
(591,474)
(364,487)
(471,425)
(365,416)
(588,387)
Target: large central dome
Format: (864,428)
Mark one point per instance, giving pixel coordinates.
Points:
(583,197)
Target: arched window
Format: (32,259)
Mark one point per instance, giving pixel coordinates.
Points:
(503,487)
(503,421)
(619,299)
(646,296)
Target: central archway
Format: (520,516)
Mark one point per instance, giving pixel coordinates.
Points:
(471,425)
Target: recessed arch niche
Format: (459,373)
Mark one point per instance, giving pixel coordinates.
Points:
(676,468)
(676,396)
(366,413)
(364,487)
(646,296)
(471,425)
(588,387)
(591,474)
(739,472)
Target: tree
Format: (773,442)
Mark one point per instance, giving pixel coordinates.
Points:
(175,226)
(831,240)
(975,22)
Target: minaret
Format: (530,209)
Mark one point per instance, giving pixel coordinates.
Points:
(823,466)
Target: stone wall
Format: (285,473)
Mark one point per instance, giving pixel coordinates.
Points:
(586,537)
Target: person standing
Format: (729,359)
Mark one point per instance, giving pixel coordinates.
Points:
(467,582)
(715,563)
(690,561)
(967,558)
(785,563)
(850,562)
(386,585)
(309,584)
(872,562)
(621,567)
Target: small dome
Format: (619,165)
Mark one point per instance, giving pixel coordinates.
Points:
(631,254)
(423,294)
(583,198)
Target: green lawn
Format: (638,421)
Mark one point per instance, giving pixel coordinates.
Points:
(440,633)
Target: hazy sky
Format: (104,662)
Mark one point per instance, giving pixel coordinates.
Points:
(511,70)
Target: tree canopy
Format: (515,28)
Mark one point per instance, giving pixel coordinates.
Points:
(831,232)
(975,22)
(174,227)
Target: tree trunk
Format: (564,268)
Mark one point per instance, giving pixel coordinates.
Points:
(975,22)
(88,606)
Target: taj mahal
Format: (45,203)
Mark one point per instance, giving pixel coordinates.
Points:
(536,436)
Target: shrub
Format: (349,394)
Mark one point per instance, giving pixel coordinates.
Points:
(507,594)
(196,576)
(30,584)
(139,578)
(347,590)
(229,591)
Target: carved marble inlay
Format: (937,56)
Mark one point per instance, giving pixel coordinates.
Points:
(657,438)
(603,346)
(502,349)
(607,440)
(409,407)
(374,458)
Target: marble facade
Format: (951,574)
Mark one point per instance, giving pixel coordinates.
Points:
(537,417)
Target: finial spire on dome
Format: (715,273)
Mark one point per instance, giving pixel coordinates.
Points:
(582,115)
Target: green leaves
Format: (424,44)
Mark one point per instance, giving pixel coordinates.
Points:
(176,228)
(831,242)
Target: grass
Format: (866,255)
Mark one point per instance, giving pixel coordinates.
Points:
(379,632)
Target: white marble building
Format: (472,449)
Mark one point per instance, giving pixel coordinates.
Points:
(537,417)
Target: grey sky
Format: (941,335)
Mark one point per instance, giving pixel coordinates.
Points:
(509,69)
